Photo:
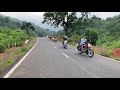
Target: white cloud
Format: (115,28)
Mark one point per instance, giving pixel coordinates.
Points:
(104,15)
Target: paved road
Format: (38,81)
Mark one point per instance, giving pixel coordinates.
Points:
(50,60)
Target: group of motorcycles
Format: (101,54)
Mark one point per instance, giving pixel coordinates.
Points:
(86,48)
(53,39)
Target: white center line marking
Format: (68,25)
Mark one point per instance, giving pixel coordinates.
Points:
(83,68)
(66,55)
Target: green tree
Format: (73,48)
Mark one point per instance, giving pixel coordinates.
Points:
(63,19)
(6,20)
(92,36)
(27,26)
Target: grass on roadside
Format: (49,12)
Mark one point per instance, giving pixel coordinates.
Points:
(6,64)
(72,43)
(106,53)
(15,53)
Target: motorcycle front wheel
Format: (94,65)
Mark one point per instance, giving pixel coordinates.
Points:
(90,53)
(65,47)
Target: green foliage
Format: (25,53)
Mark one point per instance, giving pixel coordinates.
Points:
(63,19)
(106,53)
(112,44)
(6,64)
(91,36)
(14,24)
(101,32)
(2,48)
(8,38)
(24,49)
(9,22)
(27,26)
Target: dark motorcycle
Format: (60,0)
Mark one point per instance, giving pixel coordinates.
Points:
(65,44)
(50,37)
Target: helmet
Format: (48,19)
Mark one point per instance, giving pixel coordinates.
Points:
(65,37)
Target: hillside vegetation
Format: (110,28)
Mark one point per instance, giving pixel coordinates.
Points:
(11,38)
(104,34)
(14,23)
(13,35)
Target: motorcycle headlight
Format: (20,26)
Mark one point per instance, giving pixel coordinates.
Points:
(76,44)
(89,45)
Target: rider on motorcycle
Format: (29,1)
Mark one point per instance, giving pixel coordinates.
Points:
(83,42)
(64,38)
(50,37)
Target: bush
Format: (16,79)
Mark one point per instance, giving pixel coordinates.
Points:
(69,40)
(112,44)
(106,53)
(8,37)
(24,49)
(21,43)
(92,36)
(2,48)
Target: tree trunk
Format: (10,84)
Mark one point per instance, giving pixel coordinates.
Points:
(15,44)
(65,30)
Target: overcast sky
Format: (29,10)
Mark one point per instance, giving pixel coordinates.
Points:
(37,17)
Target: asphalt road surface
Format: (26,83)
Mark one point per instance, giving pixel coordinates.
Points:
(49,60)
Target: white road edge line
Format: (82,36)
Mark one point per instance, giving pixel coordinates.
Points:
(55,47)
(109,58)
(13,69)
(66,55)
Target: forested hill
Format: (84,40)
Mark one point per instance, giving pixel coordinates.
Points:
(14,23)
(107,30)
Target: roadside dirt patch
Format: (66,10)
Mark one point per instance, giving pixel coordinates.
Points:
(98,50)
(116,52)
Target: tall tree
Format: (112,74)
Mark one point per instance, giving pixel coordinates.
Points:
(27,26)
(63,19)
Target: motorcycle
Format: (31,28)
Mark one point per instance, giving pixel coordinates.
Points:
(85,49)
(55,40)
(65,44)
